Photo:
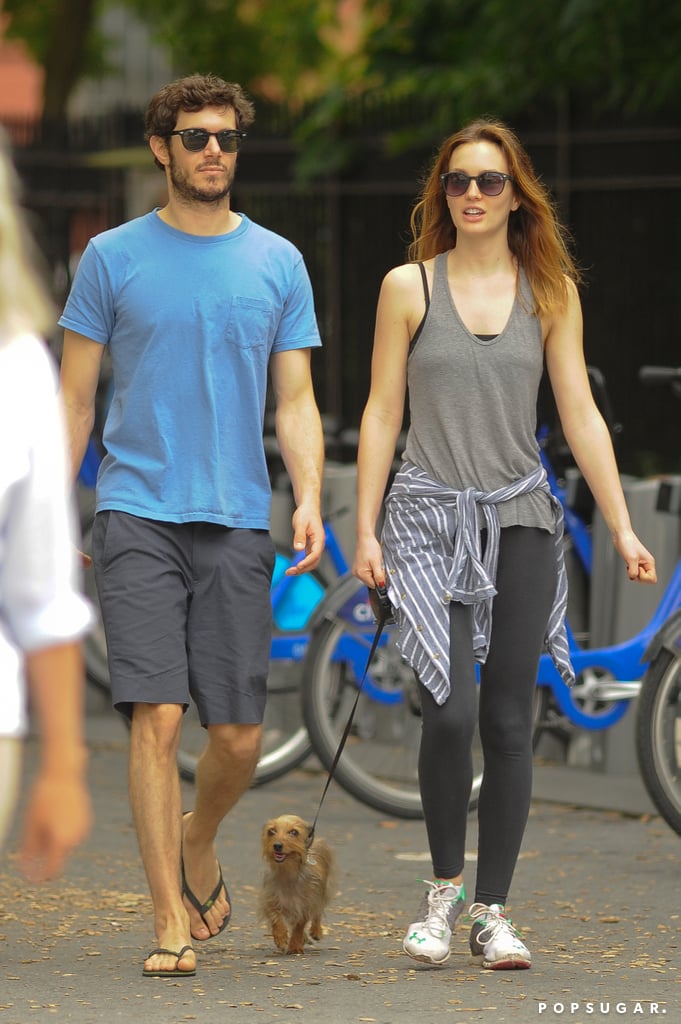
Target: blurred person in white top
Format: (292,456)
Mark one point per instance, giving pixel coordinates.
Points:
(42,612)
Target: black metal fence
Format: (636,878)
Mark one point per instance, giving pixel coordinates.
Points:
(619,187)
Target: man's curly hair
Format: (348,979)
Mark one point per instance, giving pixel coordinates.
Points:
(191,94)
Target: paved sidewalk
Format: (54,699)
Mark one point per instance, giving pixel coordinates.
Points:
(596,895)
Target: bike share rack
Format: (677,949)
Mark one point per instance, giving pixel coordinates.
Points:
(618,609)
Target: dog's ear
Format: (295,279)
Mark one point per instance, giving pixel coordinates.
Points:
(310,837)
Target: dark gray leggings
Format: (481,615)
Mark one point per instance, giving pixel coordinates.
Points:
(526,582)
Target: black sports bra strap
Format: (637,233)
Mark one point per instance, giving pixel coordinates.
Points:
(426,295)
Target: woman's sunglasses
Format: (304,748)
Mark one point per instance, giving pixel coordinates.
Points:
(490,183)
(196,139)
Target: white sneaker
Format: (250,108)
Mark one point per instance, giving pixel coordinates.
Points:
(494,941)
(428,938)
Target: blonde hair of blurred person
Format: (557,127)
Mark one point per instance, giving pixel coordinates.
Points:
(24,302)
(42,613)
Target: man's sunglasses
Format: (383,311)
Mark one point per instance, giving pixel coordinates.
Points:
(490,183)
(196,139)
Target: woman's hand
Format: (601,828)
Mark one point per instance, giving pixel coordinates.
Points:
(368,564)
(639,561)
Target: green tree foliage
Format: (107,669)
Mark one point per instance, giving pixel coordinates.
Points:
(462,58)
(446,60)
(279,50)
(443,60)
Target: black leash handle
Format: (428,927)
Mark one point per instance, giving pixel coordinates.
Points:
(384,612)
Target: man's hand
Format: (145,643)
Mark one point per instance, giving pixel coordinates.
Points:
(308,537)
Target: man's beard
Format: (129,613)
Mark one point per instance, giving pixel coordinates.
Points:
(211,192)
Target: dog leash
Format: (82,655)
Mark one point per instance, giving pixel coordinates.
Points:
(383,613)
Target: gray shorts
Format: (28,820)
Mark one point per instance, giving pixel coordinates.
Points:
(186,610)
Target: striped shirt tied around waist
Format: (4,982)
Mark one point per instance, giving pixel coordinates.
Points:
(433,553)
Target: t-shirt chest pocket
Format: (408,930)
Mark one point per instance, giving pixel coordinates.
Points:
(239,320)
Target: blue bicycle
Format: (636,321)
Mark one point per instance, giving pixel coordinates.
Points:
(379,762)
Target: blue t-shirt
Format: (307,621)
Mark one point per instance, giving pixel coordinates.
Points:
(191,322)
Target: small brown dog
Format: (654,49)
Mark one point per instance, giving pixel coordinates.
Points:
(297,883)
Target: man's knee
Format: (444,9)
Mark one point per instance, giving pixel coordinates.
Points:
(238,744)
(156,725)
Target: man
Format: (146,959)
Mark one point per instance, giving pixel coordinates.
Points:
(195,302)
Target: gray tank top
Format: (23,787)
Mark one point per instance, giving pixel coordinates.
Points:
(473,403)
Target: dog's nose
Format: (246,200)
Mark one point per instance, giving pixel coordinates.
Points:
(278,847)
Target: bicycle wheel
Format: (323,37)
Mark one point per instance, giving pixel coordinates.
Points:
(285,742)
(658,735)
(379,763)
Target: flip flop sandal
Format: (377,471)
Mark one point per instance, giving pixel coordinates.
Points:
(201,908)
(176,972)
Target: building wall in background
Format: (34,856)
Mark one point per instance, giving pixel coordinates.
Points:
(21,81)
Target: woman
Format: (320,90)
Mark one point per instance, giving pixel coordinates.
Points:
(42,615)
(471,540)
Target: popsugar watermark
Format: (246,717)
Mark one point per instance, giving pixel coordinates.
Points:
(601,1007)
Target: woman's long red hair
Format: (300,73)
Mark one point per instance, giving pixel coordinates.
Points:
(536,236)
